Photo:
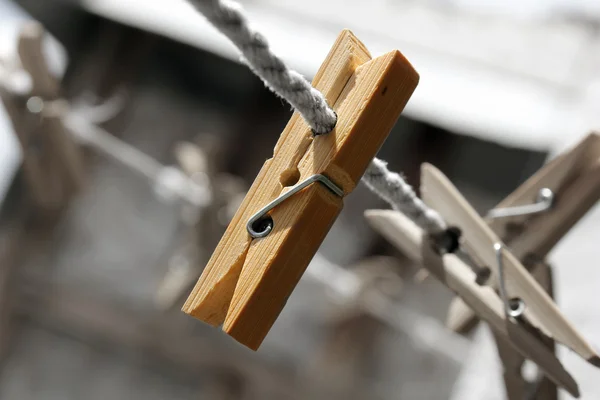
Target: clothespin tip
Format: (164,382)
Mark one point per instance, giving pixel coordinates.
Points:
(595,361)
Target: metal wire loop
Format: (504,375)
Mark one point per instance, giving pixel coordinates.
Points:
(544,201)
(512,310)
(260,214)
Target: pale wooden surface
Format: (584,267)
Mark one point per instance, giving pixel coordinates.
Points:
(404,234)
(368,100)
(577,279)
(516,385)
(438,192)
(573,177)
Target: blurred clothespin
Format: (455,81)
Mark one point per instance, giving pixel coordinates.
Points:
(52,162)
(536,216)
(201,225)
(299,192)
(521,311)
(519,387)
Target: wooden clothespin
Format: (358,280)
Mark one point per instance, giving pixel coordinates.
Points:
(271,239)
(517,387)
(52,162)
(459,277)
(563,191)
(201,226)
(533,309)
(479,239)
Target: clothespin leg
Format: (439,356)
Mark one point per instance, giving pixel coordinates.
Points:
(517,388)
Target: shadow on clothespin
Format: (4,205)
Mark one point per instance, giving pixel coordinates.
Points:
(299,192)
(536,216)
(521,312)
(52,163)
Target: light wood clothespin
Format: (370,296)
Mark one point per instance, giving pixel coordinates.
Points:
(517,387)
(480,241)
(459,277)
(250,277)
(533,308)
(573,180)
(52,162)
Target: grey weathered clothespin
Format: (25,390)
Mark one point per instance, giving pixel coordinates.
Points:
(521,313)
(52,163)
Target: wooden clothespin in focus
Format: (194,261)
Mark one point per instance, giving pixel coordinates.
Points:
(52,162)
(521,312)
(298,193)
(536,216)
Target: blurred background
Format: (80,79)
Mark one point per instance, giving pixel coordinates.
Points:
(172,130)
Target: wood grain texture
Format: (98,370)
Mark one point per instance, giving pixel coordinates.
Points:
(458,277)
(438,192)
(210,298)
(574,179)
(247,282)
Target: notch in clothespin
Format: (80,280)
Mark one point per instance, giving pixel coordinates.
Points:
(52,162)
(298,193)
(537,215)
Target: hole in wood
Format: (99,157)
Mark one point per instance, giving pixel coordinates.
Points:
(483,274)
(384,91)
(516,304)
(289,177)
(264,224)
(447,241)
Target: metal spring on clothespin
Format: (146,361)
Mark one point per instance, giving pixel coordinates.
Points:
(267,224)
(545,199)
(513,307)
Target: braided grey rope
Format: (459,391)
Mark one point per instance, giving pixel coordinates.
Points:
(392,188)
(228,17)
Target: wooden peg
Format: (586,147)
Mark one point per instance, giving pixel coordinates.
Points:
(32,174)
(66,153)
(517,388)
(33,61)
(52,162)
(574,178)
(247,281)
(479,239)
(458,277)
